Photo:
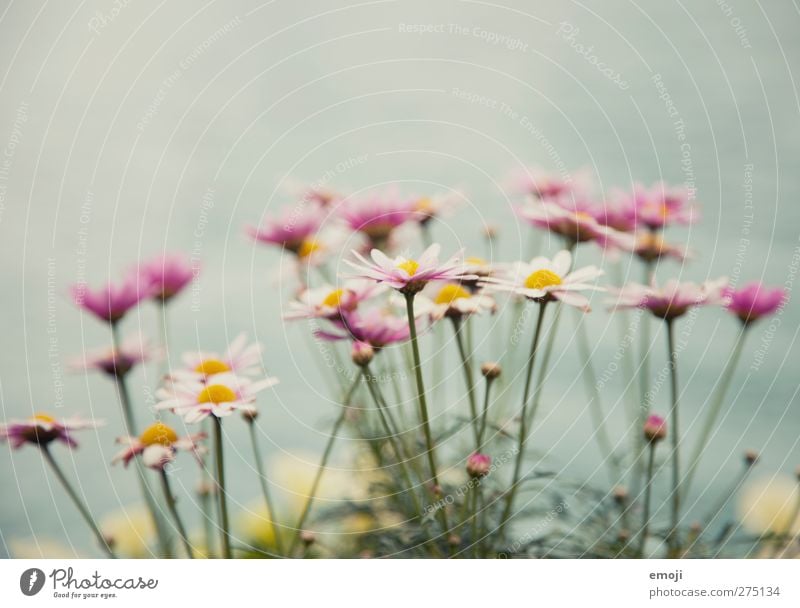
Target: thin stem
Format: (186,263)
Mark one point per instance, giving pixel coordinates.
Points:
(262,480)
(84,511)
(647,492)
(423,405)
(466,365)
(714,409)
(484,413)
(224,524)
(323,463)
(174,512)
(523,424)
(673,541)
(644,365)
(476,491)
(546,354)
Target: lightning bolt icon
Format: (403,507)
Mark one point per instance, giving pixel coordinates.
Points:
(34,576)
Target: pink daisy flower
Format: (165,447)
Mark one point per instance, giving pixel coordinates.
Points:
(407,275)
(536,182)
(158,445)
(377,327)
(453,300)
(377,214)
(437,206)
(328,302)
(617,212)
(220,395)
(542,280)
(673,299)
(42,429)
(116,362)
(240,358)
(651,246)
(111,302)
(166,276)
(660,205)
(754,301)
(574,225)
(293,229)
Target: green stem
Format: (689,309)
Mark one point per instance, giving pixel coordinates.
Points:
(647,492)
(484,413)
(546,354)
(474,531)
(673,540)
(466,365)
(84,511)
(423,406)
(224,524)
(262,479)
(323,463)
(714,410)
(523,424)
(174,512)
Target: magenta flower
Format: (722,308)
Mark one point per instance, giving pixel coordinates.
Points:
(116,362)
(111,302)
(377,214)
(166,276)
(536,182)
(293,229)
(655,428)
(617,212)
(328,302)
(754,301)
(576,225)
(673,299)
(42,429)
(158,445)
(376,327)
(407,275)
(660,206)
(478,465)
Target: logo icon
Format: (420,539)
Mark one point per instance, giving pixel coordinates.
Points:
(31,581)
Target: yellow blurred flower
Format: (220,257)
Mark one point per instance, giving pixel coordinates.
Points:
(131,531)
(253,525)
(769,504)
(34,548)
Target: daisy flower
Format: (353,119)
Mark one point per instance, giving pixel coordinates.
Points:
(328,302)
(453,300)
(166,276)
(651,246)
(42,429)
(534,181)
(158,445)
(377,214)
(116,362)
(293,229)
(377,327)
(574,225)
(754,301)
(542,280)
(112,301)
(407,275)
(240,358)
(220,395)
(437,206)
(671,300)
(660,206)
(617,212)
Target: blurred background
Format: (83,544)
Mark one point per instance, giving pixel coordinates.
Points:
(134,127)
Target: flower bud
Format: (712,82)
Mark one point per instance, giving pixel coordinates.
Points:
(655,428)
(454,540)
(478,465)
(362,353)
(620,494)
(491,370)
(308,537)
(249,413)
(750,457)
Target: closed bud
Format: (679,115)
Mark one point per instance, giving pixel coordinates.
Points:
(620,494)
(307,537)
(655,428)
(478,465)
(362,353)
(491,370)
(750,457)
(249,413)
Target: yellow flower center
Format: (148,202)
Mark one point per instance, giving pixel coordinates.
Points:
(158,433)
(476,261)
(216,393)
(334,298)
(449,293)
(212,366)
(541,279)
(307,247)
(582,215)
(410,266)
(44,418)
(424,205)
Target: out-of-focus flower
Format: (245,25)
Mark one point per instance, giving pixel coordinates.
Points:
(158,445)
(478,465)
(132,351)
(40,548)
(362,353)
(220,395)
(455,301)
(673,299)
(770,505)
(661,205)
(112,301)
(477,267)
(130,532)
(166,276)
(534,181)
(754,301)
(542,279)
(436,206)
(576,226)
(655,428)
(377,327)
(253,524)
(42,429)
(294,228)
(377,214)
(240,358)
(328,302)
(617,212)
(408,275)
(651,246)
(491,370)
